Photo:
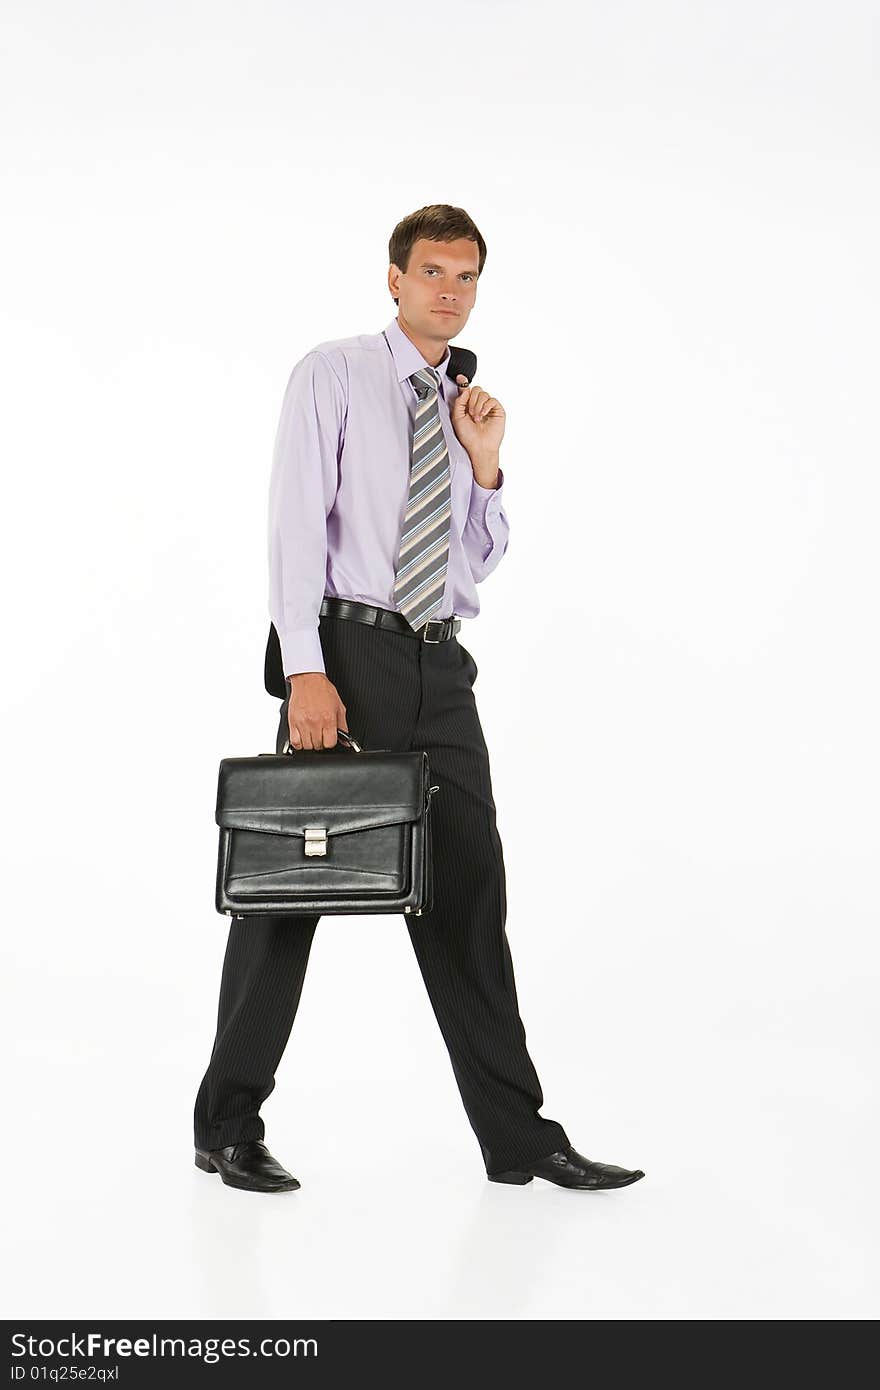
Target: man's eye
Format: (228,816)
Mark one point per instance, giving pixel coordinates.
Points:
(431,270)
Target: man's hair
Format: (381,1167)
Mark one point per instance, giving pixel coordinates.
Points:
(436,222)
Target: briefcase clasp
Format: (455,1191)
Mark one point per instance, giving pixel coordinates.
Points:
(316,839)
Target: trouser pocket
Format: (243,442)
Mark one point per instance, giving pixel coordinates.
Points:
(470,664)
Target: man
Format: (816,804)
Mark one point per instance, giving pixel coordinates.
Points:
(385,512)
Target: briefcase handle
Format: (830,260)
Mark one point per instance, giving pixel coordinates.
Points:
(341,733)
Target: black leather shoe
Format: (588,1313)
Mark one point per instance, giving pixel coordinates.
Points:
(247,1164)
(568,1168)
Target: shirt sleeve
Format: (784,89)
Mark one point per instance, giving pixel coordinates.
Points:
(302,489)
(486,530)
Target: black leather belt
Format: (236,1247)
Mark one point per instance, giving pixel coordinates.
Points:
(434,630)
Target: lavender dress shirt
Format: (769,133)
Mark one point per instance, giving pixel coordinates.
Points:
(339,487)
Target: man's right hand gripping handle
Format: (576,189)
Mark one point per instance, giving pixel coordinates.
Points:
(314,711)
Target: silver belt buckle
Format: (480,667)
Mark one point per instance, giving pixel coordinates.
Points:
(433,622)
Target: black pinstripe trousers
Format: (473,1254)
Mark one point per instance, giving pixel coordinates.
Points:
(400,693)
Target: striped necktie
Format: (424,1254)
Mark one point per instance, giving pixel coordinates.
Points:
(420,575)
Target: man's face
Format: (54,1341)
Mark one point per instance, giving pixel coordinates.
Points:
(438,289)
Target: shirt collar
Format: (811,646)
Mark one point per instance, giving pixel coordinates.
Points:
(408,359)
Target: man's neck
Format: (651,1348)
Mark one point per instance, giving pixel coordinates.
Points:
(426,346)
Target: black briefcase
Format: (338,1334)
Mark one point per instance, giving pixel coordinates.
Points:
(336,830)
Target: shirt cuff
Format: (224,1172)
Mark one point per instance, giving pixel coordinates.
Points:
(301,651)
(484,509)
(481,497)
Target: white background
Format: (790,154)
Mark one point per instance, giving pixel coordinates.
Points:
(678,666)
